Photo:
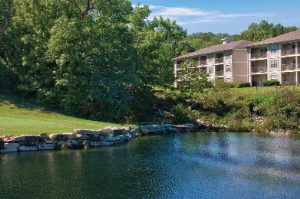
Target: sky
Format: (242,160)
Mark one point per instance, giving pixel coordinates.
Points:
(224,16)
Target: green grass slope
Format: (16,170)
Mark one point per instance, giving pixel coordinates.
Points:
(263,91)
(19,116)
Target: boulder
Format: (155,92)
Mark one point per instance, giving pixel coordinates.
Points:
(45,136)
(7,138)
(47,145)
(158,129)
(74,144)
(87,132)
(23,148)
(63,137)
(27,140)
(10,147)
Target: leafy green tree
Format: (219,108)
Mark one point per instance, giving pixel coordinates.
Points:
(204,39)
(157,42)
(265,30)
(5,16)
(193,79)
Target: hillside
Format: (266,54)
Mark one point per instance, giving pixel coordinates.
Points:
(20,116)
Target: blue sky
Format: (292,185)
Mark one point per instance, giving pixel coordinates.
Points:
(225,16)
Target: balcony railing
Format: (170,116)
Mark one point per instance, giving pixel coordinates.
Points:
(259,69)
(219,59)
(203,62)
(290,66)
(289,51)
(219,72)
(258,55)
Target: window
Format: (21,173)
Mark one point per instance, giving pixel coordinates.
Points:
(211,70)
(210,57)
(227,68)
(273,77)
(274,63)
(273,48)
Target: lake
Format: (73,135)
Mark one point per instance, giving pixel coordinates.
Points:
(198,165)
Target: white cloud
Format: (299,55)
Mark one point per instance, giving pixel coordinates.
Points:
(185,16)
(181,11)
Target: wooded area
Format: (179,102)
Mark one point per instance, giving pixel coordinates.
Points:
(97,59)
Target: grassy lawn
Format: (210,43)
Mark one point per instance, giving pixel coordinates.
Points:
(262,91)
(19,116)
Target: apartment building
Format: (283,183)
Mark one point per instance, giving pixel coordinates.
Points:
(277,58)
(226,61)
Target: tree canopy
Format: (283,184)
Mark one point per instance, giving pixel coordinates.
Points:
(255,32)
(89,58)
(98,58)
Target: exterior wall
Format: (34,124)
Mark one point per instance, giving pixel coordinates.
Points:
(288,67)
(209,67)
(240,66)
(228,61)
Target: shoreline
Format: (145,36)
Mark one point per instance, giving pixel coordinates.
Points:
(85,139)
(109,136)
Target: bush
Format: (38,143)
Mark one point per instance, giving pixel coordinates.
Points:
(284,111)
(184,114)
(271,83)
(243,85)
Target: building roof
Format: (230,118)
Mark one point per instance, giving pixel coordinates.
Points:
(291,36)
(216,48)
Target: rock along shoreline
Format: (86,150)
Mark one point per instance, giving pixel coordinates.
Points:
(86,139)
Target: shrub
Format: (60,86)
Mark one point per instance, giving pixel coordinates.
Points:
(284,111)
(184,114)
(243,85)
(271,83)
(223,84)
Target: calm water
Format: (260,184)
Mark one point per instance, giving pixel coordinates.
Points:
(171,166)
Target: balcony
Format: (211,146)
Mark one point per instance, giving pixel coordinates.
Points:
(290,66)
(258,53)
(288,63)
(219,70)
(288,49)
(288,78)
(259,69)
(260,66)
(203,62)
(219,59)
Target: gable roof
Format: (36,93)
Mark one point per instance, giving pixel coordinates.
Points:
(216,48)
(291,36)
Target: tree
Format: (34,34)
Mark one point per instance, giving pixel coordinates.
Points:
(157,42)
(5,16)
(204,39)
(193,79)
(264,30)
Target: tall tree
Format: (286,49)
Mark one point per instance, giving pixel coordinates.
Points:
(264,30)
(157,42)
(5,16)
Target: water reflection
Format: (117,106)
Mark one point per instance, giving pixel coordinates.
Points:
(210,165)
